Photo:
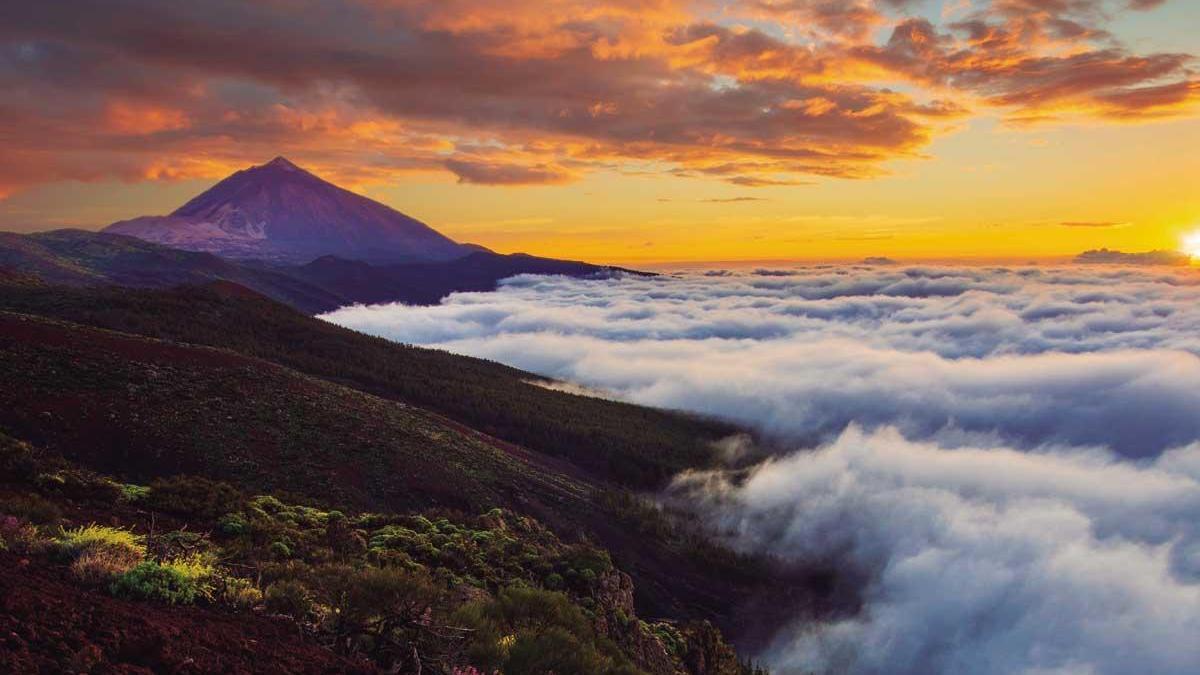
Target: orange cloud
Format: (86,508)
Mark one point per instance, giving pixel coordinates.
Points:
(543,91)
(134,118)
(493,173)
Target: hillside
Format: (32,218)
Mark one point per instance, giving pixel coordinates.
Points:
(295,405)
(632,444)
(81,258)
(144,409)
(279,212)
(192,576)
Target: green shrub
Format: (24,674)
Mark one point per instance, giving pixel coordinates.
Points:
(670,637)
(179,581)
(239,593)
(152,581)
(32,507)
(78,484)
(527,630)
(233,525)
(179,542)
(360,595)
(74,543)
(101,565)
(280,550)
(289,597)
(131,494)
(267,504)
(192,496)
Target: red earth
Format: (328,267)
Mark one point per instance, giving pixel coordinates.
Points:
(49,623)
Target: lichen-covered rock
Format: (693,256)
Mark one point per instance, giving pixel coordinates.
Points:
(616,619)
(614,592)
(707,653)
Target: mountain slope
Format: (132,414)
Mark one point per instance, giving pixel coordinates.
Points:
(280,212)
(632,444)
(384,425)
(275,585)
(81,258)
(143,408)
(55,624)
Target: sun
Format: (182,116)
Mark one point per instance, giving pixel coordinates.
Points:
(1191,243)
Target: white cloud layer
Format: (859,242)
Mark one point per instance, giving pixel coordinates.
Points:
(982,560)
(1011,456)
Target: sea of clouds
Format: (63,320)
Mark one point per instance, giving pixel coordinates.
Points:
(1011,456)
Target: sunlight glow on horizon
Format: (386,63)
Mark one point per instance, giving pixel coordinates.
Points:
(589,130)
(1191,243)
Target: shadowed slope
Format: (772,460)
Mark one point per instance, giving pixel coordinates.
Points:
(143,408)
(631,444)
(81,258)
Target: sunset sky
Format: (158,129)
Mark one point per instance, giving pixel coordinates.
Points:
(629,130)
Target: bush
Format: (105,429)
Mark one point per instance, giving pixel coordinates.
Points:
(76,483)
(34,508)
(233,525)
(17,458)
(176,581)
(73,543)
(131,494)
(280,550)
(290,598)
(18,535)
(192,496)
(361,595)
(178,543)
(101,565)
(239,593)
(152,581)
(528,630)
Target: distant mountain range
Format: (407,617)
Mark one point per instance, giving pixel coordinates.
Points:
(83,258)
(281,231)
(279,212)
(1105,256)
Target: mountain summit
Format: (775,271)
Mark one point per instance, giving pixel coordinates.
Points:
(278,211)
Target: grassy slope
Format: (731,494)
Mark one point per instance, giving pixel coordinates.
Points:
(55,624)
(56,615)
(142,408)
(633,445)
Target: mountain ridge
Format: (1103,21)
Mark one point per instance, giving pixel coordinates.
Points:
(85,258)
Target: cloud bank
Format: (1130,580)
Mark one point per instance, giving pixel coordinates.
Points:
(982,560)
(1010,456)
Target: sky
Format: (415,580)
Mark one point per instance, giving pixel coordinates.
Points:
(629,130)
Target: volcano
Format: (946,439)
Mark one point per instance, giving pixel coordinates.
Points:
(282,213)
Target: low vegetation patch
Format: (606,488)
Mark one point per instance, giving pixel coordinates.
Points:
(156,581)
(429,592)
